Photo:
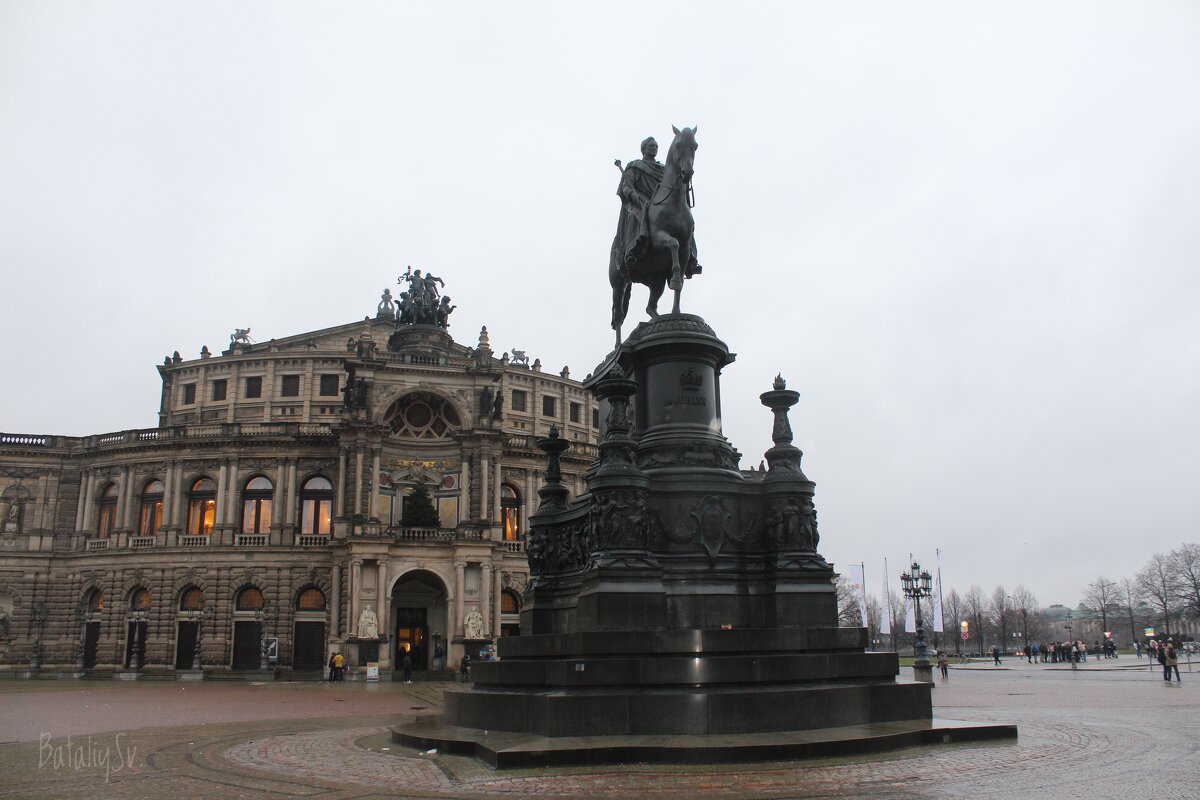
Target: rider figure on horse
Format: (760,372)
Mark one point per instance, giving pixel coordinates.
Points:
(638,181)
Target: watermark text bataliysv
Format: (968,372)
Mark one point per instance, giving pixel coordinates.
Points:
(78,755)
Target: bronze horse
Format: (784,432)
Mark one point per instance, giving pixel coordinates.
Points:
(669,254)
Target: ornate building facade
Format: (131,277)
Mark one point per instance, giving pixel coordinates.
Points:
(363,489)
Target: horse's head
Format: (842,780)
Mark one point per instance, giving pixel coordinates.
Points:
(683,151)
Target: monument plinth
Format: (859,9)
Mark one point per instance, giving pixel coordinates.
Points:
(677,596)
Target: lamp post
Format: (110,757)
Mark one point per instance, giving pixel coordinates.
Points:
(81,613)
(917,584)
(135,655)
(201,615)
(265,617)
(37,615)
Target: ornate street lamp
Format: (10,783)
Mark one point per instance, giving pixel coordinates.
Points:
(200,616)
(265,621)
(918,584)
(138,617)
(37,615)
(81,615)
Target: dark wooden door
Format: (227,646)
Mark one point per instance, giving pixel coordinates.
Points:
(91,642)
(308,646)
(185,648)
(246,645)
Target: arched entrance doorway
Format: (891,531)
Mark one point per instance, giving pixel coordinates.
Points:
(308,635)
(418,618)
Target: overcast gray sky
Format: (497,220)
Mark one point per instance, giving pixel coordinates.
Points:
(967,235)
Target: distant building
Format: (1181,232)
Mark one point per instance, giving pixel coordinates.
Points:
(269,506)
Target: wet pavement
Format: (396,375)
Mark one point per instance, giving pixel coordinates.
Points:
(1110,728)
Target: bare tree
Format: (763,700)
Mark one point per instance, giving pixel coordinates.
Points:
(998,607)
(874,618)
(953,612)
(977,606)
(1103,597)
(1159,587)
(847,601)
(1185,564)
(1130,599)
(1025,607)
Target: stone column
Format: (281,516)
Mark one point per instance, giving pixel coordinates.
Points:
(88,493)
(485,591)
(527,502)
(497,586)
(464,493)
(340,511)
(460,585)
(496,494)
(126,508)
(483,487)
(82,503)
(177,502)
(355,588)
(279,497)
(358,481)
(335,603)
(168,495)
(291,493)
(222,485)
(384,602)
(231,507)
(373,511)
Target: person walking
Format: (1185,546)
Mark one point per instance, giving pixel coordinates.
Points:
(332,668)
(943,664)
(996,655)
(464,666)
(339,667)
(407,664)
(1169,658)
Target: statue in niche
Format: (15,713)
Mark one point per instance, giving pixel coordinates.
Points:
(5,624)
(485,400)
(473,625)
(368,624)
(498,406)
(12,519)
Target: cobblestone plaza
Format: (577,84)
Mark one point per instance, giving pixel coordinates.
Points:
(1110,729)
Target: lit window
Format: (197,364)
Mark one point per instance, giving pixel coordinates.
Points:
(254,386)
(316,507)
(95,600)
(510,512)
(311,599)
(191,599)
(329,385)
(249,599)
(108,511)
(519,399)
(202,507)
(290,386)
(256,506)
(152,509)
(218,389)
(139,600)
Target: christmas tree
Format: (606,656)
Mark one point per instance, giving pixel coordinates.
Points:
(418,509)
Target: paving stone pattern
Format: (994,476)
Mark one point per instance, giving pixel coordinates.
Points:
(1105,732)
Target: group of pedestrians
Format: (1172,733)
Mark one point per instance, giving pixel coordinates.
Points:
(1166,655)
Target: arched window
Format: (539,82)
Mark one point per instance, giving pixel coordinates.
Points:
(95,600)
(108,511)
(249,599)
(422,415)
(202,507)
(509,603)
(510,512)
(310,599)
(152,509)
(139,600)
(256,506)
(316,507)
(191,599)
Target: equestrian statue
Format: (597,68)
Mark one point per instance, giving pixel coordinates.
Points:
(654,245)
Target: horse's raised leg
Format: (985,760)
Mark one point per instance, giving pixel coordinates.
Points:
(656,290)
